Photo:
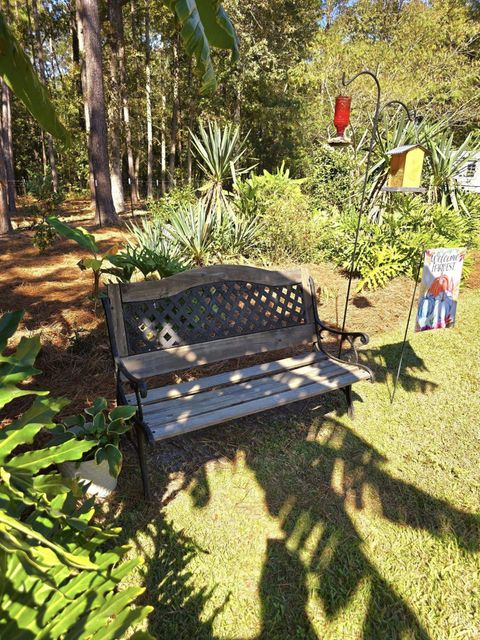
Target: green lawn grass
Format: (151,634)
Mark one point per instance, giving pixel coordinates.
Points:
(301,523)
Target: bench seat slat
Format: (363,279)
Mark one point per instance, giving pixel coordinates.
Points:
(162,430)
(185,357)
(239,392)
(228,377)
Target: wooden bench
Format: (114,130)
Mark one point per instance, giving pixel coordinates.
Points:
(212,315)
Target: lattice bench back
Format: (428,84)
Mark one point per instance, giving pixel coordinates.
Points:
(209,314)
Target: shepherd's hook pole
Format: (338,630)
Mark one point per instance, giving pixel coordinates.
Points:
(345,83)
(400,362)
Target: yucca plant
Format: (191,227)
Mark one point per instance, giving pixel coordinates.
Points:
(218,152)
(193,229)
(57,578)
(446,161)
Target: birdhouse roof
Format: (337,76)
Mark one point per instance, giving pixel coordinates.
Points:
(405,148)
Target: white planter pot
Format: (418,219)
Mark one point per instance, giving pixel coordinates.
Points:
(101,482)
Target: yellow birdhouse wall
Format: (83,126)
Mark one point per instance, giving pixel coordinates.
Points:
(406,169)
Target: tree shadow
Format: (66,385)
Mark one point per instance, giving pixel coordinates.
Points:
(346,472)
(337,475)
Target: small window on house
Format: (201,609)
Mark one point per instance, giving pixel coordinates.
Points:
(470,170)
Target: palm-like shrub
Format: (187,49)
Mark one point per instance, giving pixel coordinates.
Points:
(218,152)
(446,161)
(58,578)
(193,230)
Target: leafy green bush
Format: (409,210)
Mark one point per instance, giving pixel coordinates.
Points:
(390,245)
(167,205)
(287,230)
(330,176)
(59,573)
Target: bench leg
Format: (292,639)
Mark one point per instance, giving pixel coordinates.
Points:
(348,395)
(142,458)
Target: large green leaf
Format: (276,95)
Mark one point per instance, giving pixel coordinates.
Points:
(15,526)
(77,234)
(9,392)
(8,325)
(19,74)
(204,23)
(43,458)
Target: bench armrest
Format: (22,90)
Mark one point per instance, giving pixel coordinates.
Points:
(350,336)
(138,384)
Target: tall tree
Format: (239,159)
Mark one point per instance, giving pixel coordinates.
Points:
(97,140)
(6,126)
(40,58)
(82,77)
(116,19)
(115,106)
(5,222)
(175,113)
(148,101)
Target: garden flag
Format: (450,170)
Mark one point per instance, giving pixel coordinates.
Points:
(437,305)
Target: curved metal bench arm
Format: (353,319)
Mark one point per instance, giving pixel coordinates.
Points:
(348,336)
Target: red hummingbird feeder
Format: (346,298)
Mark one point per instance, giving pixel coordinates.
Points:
(341,120)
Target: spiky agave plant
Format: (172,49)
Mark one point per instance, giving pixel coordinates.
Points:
(218,151)
(446,161)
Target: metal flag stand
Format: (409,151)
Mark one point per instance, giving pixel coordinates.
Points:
(378,109)
(405,336)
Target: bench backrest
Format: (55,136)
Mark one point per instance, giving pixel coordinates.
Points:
(208,315)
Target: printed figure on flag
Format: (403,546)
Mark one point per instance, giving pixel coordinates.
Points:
(437,305)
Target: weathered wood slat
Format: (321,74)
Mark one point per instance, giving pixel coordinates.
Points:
(133,292)
(228,377)
(307,296)
(119,335)
(185,357)
(189,406)
(161,431)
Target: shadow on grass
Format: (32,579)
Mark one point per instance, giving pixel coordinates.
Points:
(384,363)
(311,486)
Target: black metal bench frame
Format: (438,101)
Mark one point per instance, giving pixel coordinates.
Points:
(211,315)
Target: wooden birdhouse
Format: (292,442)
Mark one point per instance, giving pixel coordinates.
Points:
(405,173)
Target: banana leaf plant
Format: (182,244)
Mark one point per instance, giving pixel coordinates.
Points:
(204,24)
(97,261)
(18,73)
(59,574)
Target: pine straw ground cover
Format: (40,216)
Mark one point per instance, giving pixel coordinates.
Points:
(296,523)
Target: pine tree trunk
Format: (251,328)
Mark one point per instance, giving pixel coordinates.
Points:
(148,97)
(190,123)
(8,147)
(5,222)
(163,149)
(175,111)
(41,69)
(97,139)
(116,19)
(83,86)
(115,112)
(78,62)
